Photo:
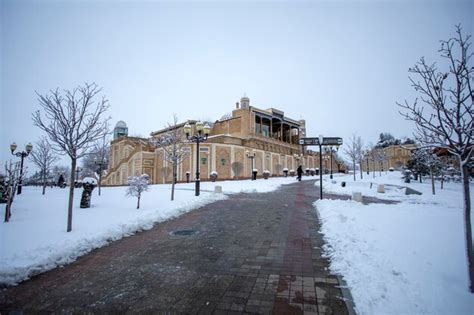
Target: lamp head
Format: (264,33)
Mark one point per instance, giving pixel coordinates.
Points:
(206,129)
(28,148)
(13,147)
(199,126)
(187,129)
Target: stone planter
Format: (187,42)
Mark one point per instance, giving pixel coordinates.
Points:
(285,172)
(292,172)
(266,174)
(213,176)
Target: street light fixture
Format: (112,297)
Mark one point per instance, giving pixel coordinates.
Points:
(251,155)
(21,155)
(330,150)
(201,136)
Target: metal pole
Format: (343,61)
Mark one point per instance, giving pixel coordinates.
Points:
(320,170)
(367,165)
(331,165)
(20,183)
(197,192)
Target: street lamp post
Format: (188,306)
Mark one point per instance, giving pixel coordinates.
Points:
(101,164)
(201,136)
(251,155)
(330,150)
(21,155)
(367,154)
(321,138)
(78,169)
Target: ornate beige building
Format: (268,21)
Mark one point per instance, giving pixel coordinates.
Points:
(394,156)
(269,133)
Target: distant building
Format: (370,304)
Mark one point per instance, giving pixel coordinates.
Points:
(273,137)
(393,156)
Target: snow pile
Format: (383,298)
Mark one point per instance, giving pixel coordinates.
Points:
(36,239)
(407,258)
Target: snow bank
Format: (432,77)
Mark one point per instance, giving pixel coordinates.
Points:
(407,258)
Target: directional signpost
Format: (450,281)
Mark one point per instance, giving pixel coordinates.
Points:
(321,141)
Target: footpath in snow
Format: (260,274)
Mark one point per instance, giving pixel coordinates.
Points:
(406,258)
(35,240)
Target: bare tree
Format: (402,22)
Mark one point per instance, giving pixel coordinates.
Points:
(237,168)
(172,143)
(43,158)
(354,151)
(445,117)
(136,186)
(73,122)
(13,178)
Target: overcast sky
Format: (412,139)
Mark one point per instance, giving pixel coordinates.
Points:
(341,65)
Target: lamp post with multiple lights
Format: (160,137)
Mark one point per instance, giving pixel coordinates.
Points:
(21,155)
(251,155)
(202,132)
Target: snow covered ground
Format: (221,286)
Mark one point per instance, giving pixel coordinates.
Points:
(407,258)
(35,240)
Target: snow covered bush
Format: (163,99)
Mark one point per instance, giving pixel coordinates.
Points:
(285,172)
(292,172)
(312,171)
(214,175)
(137,185)
(266,174)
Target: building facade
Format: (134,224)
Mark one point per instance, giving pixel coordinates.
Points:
(269,134)
(383,159)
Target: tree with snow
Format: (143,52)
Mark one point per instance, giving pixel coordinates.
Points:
(43,157)
(73,122)
(172,142)
(237,168)
(354,149)
(445,117)
(13,178)
(136,186)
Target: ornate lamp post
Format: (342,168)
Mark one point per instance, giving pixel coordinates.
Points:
(251,155)
(101,164)
(21,155)
(78,169)
(367,154)
(201,136)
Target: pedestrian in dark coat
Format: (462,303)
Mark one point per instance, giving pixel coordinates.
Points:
(299,171)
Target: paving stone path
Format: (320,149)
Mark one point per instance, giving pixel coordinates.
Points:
(256,253)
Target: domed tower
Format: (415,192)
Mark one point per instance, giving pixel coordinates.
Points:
(120,130)
(244,102)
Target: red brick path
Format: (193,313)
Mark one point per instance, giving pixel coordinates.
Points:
(252,253)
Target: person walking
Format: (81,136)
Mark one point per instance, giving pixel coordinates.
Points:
(299,171)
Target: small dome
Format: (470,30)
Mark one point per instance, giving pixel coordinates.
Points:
(244,98)
(121,124)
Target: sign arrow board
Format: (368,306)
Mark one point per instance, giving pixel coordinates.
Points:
(326,141)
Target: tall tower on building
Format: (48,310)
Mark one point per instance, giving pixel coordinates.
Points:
(244,102)
(120,130)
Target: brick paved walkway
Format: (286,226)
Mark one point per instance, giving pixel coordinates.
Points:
(257,253)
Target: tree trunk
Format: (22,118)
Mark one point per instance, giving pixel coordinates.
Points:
(44,184)
(174,180)
(354,164)
(360,165)
(442,181)
(432,181)
(9,203)
(467,225)
(71,195)
(138,202)
(420,179)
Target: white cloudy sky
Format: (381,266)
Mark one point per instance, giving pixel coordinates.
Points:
(341,65)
